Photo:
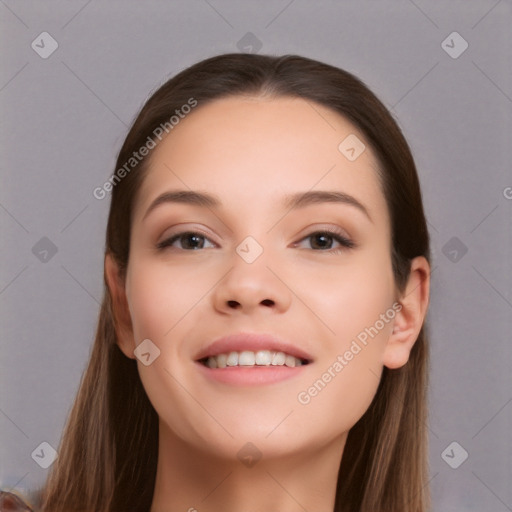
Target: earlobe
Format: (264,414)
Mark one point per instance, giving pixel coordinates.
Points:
(411,316)
(121,312)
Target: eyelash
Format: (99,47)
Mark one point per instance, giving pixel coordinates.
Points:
(345,242)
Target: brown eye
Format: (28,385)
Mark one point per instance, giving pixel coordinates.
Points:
(189,240)
(321,241)
(324,240)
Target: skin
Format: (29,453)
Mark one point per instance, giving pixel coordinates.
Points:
(251,152)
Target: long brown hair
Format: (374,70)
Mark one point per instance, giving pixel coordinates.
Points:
(108,453)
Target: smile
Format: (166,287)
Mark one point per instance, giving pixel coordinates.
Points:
(249,358)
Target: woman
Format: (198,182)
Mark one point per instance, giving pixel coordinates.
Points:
(261,343)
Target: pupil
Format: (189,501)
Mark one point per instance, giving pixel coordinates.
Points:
(197,239)
(326,239)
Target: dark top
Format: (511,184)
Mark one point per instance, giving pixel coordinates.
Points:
(11,503)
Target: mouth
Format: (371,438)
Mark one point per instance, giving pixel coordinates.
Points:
(255,359)
(251,358)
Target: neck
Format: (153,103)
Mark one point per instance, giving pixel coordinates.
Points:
(192,480)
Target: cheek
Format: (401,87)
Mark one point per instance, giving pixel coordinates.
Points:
(352,297)
(361,315)
(365,295)
(159,300)
(159,296)
(338,398)
(356,304)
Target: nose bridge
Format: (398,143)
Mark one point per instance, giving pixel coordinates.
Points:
(251,282)
(250,272)
(250,250)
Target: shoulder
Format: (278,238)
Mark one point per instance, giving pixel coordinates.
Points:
(10,502)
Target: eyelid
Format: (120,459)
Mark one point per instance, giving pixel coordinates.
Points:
(329,228)
(338,233)
(178,230)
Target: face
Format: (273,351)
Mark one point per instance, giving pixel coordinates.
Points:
(315,275)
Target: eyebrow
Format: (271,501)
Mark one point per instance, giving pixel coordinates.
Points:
(291,201)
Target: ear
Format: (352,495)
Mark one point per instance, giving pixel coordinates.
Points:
(122,319)
(409,319)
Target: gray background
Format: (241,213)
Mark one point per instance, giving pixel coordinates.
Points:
(63,121)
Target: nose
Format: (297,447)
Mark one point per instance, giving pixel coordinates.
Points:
(251,287)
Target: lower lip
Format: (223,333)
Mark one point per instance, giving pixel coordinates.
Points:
(251,375)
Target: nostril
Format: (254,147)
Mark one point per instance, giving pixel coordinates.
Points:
(267,302)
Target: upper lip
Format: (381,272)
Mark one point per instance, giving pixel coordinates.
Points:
(253,342)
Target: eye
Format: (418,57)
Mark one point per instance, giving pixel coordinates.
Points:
(320,240)
(190,240)
(324,239)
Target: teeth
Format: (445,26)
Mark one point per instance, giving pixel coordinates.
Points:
(246,358)
(249,358)
(263,358)
(232,359)
(289,361)
(278,359)
(222,360)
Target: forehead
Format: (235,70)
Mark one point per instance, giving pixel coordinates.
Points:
(248,149)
